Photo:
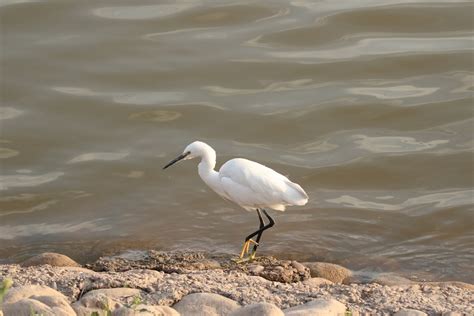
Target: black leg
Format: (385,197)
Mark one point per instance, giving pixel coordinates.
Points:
(262,228)
(262,224)
(270,224)
(271,221)
(260,219)
(258,233)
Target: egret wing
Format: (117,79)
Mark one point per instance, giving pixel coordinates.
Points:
(262,185)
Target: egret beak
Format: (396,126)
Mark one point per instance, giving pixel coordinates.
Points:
(172,162)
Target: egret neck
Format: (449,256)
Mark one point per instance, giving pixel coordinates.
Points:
(207,172)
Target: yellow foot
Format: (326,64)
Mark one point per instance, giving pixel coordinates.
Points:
(249,258)
(241,260)
(245,251)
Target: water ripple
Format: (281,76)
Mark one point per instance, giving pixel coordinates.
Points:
(439,200)
(98,156)
(274,86)
(381,46)
(8,153)
(395,144)
(39,207)
(142,12)
(4,3)
(137,98)
(155,116)
(395,92)
(328,5)
(8,232)
(149,98)
(10,181)
(9,112)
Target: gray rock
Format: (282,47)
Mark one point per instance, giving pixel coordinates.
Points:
(317,282)
(145,310)
(236,283)
(329,271)
(206,304)
(298,266)
(284,271)
(446,284)
(51,258)
(319,306)
(391,279)
(42,300)
(255,269)
(410,312)
(258,309)
(168,262)
(451,314)
(103,300)
(26,291)
(27,307)
(185,262)
(359,277)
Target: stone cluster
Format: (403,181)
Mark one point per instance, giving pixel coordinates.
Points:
(182,283)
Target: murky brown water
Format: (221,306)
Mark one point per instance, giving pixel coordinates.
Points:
(366,104)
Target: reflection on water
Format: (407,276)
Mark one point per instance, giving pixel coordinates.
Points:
(142,12)
(394,92)
(11,232)
(7,153)
(439,200)
(136,98)
(98,156)
(155,116)
(19,180)
(382,46)
(394,144)
(9,112)
(366,104)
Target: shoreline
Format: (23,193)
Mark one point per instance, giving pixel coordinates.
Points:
(154,280)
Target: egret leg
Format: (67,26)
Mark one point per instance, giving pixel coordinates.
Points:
(262,225)
(258,233)
(248,239)
(261,230)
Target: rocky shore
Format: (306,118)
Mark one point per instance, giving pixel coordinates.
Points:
(195,283)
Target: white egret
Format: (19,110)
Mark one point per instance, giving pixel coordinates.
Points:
(247,183)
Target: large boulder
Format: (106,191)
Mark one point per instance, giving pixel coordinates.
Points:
(206,304)
(145,310)
(318,307)
(410,312)
(104,300)
(51,258)
(258,309)
(329,271)
(35,299)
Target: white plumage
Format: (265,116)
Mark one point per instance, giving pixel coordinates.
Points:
(252,185)
(249,184)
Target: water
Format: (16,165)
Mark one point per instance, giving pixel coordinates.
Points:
(366,104)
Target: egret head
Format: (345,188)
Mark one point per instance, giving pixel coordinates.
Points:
(193,150)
